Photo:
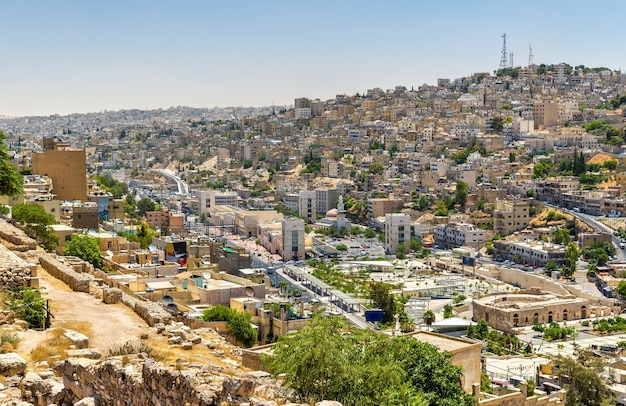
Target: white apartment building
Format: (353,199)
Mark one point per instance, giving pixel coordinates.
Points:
(397,231)
(454,235)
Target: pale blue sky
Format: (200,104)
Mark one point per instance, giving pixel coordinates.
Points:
(87,56)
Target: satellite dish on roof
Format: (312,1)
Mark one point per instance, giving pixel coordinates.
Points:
(206,275)
(109,253)
(249,291)
(152,248)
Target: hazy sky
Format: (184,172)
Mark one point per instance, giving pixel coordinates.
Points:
(88,56)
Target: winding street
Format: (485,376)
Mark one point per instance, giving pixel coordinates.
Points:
(183,189)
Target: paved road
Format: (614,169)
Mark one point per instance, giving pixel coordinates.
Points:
(183,189)
(592,220)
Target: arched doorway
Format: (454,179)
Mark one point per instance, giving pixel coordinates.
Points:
(536,318)
(565,315)
(550,316)
(515,320)
(583,312)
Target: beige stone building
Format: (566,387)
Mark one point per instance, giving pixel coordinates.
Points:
(506,311)
(293,239)
(378,207)
(66,167)
(510,216)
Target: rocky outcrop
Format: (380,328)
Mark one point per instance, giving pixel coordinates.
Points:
(79,340)
(111,295)
(14,271)
(12,364)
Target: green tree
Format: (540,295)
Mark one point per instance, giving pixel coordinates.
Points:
(621,288)
(460,194)
(28,305)
(497,124)
(571,256)
(423,203)
(610,164)
(330,360)
(144,235)
(401,251)
(145,205)
(376,168)
(447,311)
(562,236)
(36,223)
(240,324)
(429,318)
(341,247)
(369,233)
(383,299)
(11,179)
(586,385)
(85,247)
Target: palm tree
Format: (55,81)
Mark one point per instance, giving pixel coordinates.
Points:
(429,318)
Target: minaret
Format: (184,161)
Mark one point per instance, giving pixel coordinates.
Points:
(341,214)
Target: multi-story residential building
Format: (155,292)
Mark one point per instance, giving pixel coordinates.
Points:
(291,202)
(378,207)
(85,216)
(166,220)
(510,216)
(545,114)
(454,235)
(550,190)
(397,231)
(587,201)
(65,166)
(326,199)
(307,200)
(293,239)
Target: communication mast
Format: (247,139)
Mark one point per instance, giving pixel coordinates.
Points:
(511,60)
(531,57)
(503,57)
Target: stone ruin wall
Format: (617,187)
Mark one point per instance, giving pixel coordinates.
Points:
(116,380)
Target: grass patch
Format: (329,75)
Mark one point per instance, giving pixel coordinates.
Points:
(8,342)
(53,348)
(83,327)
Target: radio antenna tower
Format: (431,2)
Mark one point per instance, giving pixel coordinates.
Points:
(511,60)
(503,58)
(531,57)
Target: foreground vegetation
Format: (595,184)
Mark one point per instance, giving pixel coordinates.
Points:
(328,360)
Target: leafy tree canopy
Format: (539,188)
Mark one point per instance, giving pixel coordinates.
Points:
(85,247)
(36,223)
(11,180)
(330,360)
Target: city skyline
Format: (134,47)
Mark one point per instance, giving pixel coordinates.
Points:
(62,58)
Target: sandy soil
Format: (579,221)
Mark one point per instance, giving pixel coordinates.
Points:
(105,324)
